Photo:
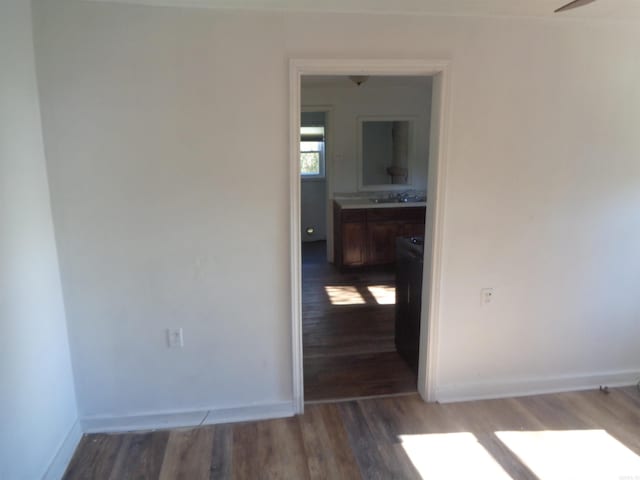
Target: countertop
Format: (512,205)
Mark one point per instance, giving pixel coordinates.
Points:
(367,203)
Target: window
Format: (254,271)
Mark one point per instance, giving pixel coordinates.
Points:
(310,163)
(312,152)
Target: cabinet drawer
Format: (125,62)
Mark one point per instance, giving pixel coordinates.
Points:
(412,230)
(353,216)
(402,214)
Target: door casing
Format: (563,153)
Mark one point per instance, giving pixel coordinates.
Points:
(434,223)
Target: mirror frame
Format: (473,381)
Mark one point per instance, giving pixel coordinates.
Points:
(412,152)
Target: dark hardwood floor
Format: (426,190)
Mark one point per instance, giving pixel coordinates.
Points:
(574,435)
(348,331)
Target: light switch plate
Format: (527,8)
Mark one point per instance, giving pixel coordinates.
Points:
(175,338)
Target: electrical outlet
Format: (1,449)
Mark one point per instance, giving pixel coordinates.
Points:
(175,338)
(486,296)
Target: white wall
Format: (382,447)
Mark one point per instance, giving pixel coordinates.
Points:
(168,208)
(350,102)
(347,103)
(167,137)
(313,192)
(37,400)
(313,209)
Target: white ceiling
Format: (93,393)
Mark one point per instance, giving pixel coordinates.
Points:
(604,9)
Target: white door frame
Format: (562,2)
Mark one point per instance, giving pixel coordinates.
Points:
(430,317)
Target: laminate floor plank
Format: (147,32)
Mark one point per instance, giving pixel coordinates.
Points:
(222,453)
(94,458)
(245,463)
(483,421)
(350,376)
(553,412)
(615,413)
(140,456)
(188,455)
(387,432)
(348,330)
(271,449)
(631,392)
(377,457)
(362,443)
(326,444)
(348,334)
(379,438)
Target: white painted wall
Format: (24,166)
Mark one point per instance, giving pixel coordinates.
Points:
(167,137)
(37,400)
(313,209)
(350,102)
(347,103)
(169,208)
(313,191)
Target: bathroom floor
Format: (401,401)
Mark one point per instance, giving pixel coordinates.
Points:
(348,331)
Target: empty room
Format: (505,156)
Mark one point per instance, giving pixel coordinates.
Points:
(295,239)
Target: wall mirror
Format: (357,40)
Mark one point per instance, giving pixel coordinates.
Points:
(385,152)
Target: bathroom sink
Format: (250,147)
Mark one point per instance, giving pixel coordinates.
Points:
(397,200)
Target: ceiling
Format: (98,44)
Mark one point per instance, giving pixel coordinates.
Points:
(601,9)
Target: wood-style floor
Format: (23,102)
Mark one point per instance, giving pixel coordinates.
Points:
(565,436)
(348,334)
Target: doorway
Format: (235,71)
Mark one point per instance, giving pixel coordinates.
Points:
(366,288)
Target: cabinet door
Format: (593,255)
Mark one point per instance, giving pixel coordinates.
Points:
(354,241)
(413,230)
(382,242)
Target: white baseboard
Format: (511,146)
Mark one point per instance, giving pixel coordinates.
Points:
(533,386)
(63,456)
(178,419)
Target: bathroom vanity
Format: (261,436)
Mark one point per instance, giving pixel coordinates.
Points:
(365,232)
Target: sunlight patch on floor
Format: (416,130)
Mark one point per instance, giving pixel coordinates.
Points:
(344,295)
(384,294)
(451,456)
(583,454)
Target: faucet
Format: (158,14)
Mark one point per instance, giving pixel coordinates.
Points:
(404,197)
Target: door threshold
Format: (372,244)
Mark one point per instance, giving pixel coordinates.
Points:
(351,399)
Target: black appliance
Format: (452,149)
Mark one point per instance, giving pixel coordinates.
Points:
(409,264)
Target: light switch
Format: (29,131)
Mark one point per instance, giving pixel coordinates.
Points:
(175,338)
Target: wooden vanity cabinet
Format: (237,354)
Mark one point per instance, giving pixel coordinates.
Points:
(367,236)
(353,233)
(382,235)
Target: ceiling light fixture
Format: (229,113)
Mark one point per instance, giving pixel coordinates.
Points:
(359,79)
